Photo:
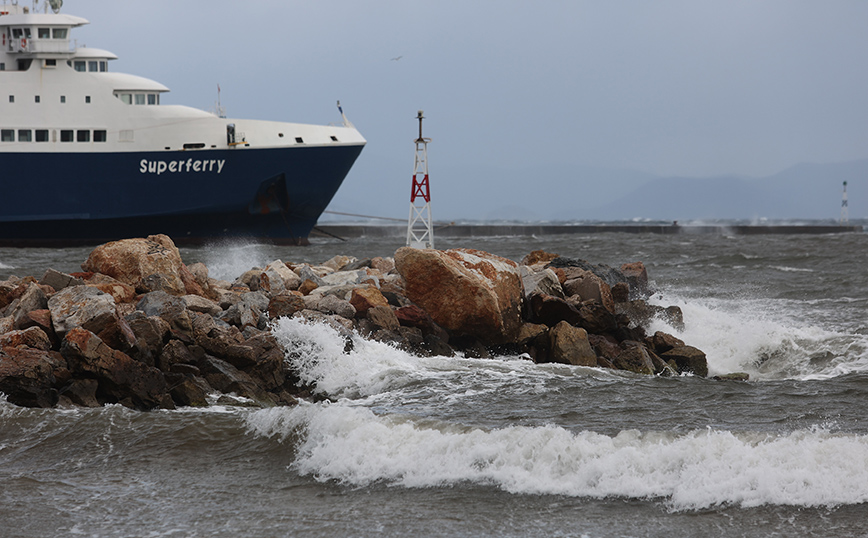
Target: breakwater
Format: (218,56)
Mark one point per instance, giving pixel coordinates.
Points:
(486,230)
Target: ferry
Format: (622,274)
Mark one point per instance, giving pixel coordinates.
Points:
(89,155)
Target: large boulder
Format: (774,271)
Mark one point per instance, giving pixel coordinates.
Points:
(588,286)
(467,292)
(145,264)
(569,345)
(688,359)
(27,376)
(92,309)
(121,379)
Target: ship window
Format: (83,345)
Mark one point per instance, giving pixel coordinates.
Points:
(100,136)
(2,66)
(7,135)
(334,138)
(82,136)
(103,66)
(50,63)
(152,99)
(36,98)
(17,33)
(87,99)
(66,136)
(25,135)
(197,145)
(44,33)
(11,98)
(59,33)
(126,98)
(92,66)
(140,98)
(62,98)
(299,140)
(42,135)
(80,65)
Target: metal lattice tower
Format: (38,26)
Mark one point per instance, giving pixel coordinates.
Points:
(420,230)
(845,217)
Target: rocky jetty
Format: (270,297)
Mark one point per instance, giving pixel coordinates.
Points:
(140,328)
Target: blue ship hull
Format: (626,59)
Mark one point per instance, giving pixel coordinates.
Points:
(270,194)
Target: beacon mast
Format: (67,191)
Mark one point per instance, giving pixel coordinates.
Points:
(420,230)
(845,217)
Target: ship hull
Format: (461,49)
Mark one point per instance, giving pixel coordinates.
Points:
(200,196)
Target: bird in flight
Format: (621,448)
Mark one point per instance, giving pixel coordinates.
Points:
(397,58)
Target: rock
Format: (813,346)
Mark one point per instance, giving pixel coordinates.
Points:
(228,379)
(121,379)
(365,298)
(6,324)
(174,353)
(191,284)
(621,292)
(338,262)
(196,303)
(637,277)
(152,333)
(383,265)
(641,313)
(34,338)
(172,309)
(688,359)
(662,342)
(33,298)
(285,305)
(550,310)
(538,257)
(82,392)
(134,261)
(545,282)
(90,308)
(307,286)
(735,376)
(291,281)
(605,346)
(589,287)
(190,392)
(58,280)
(271,282)
(223,341)
(609,275)
(569,345)
(382,317)
(634,358)
(332,305)
(27,376)
(305,273)
(467,292)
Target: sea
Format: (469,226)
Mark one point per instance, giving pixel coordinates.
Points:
(398,445)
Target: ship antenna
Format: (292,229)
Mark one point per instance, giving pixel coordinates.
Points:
(343,116)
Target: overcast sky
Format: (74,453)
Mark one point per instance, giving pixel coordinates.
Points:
(665,87)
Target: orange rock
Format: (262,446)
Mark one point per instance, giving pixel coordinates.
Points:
(133,260)
(467,292)
(363,299)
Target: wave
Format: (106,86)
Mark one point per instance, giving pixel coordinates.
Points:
(687,471)
(767,338)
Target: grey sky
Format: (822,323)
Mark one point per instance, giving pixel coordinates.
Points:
(665,87)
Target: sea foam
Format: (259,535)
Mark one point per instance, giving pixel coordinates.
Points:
(687,471)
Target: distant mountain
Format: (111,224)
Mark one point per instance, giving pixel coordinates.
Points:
(804,191)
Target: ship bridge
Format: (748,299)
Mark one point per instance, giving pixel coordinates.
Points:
(26,34)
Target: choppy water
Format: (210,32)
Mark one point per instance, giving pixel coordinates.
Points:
(503,447)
